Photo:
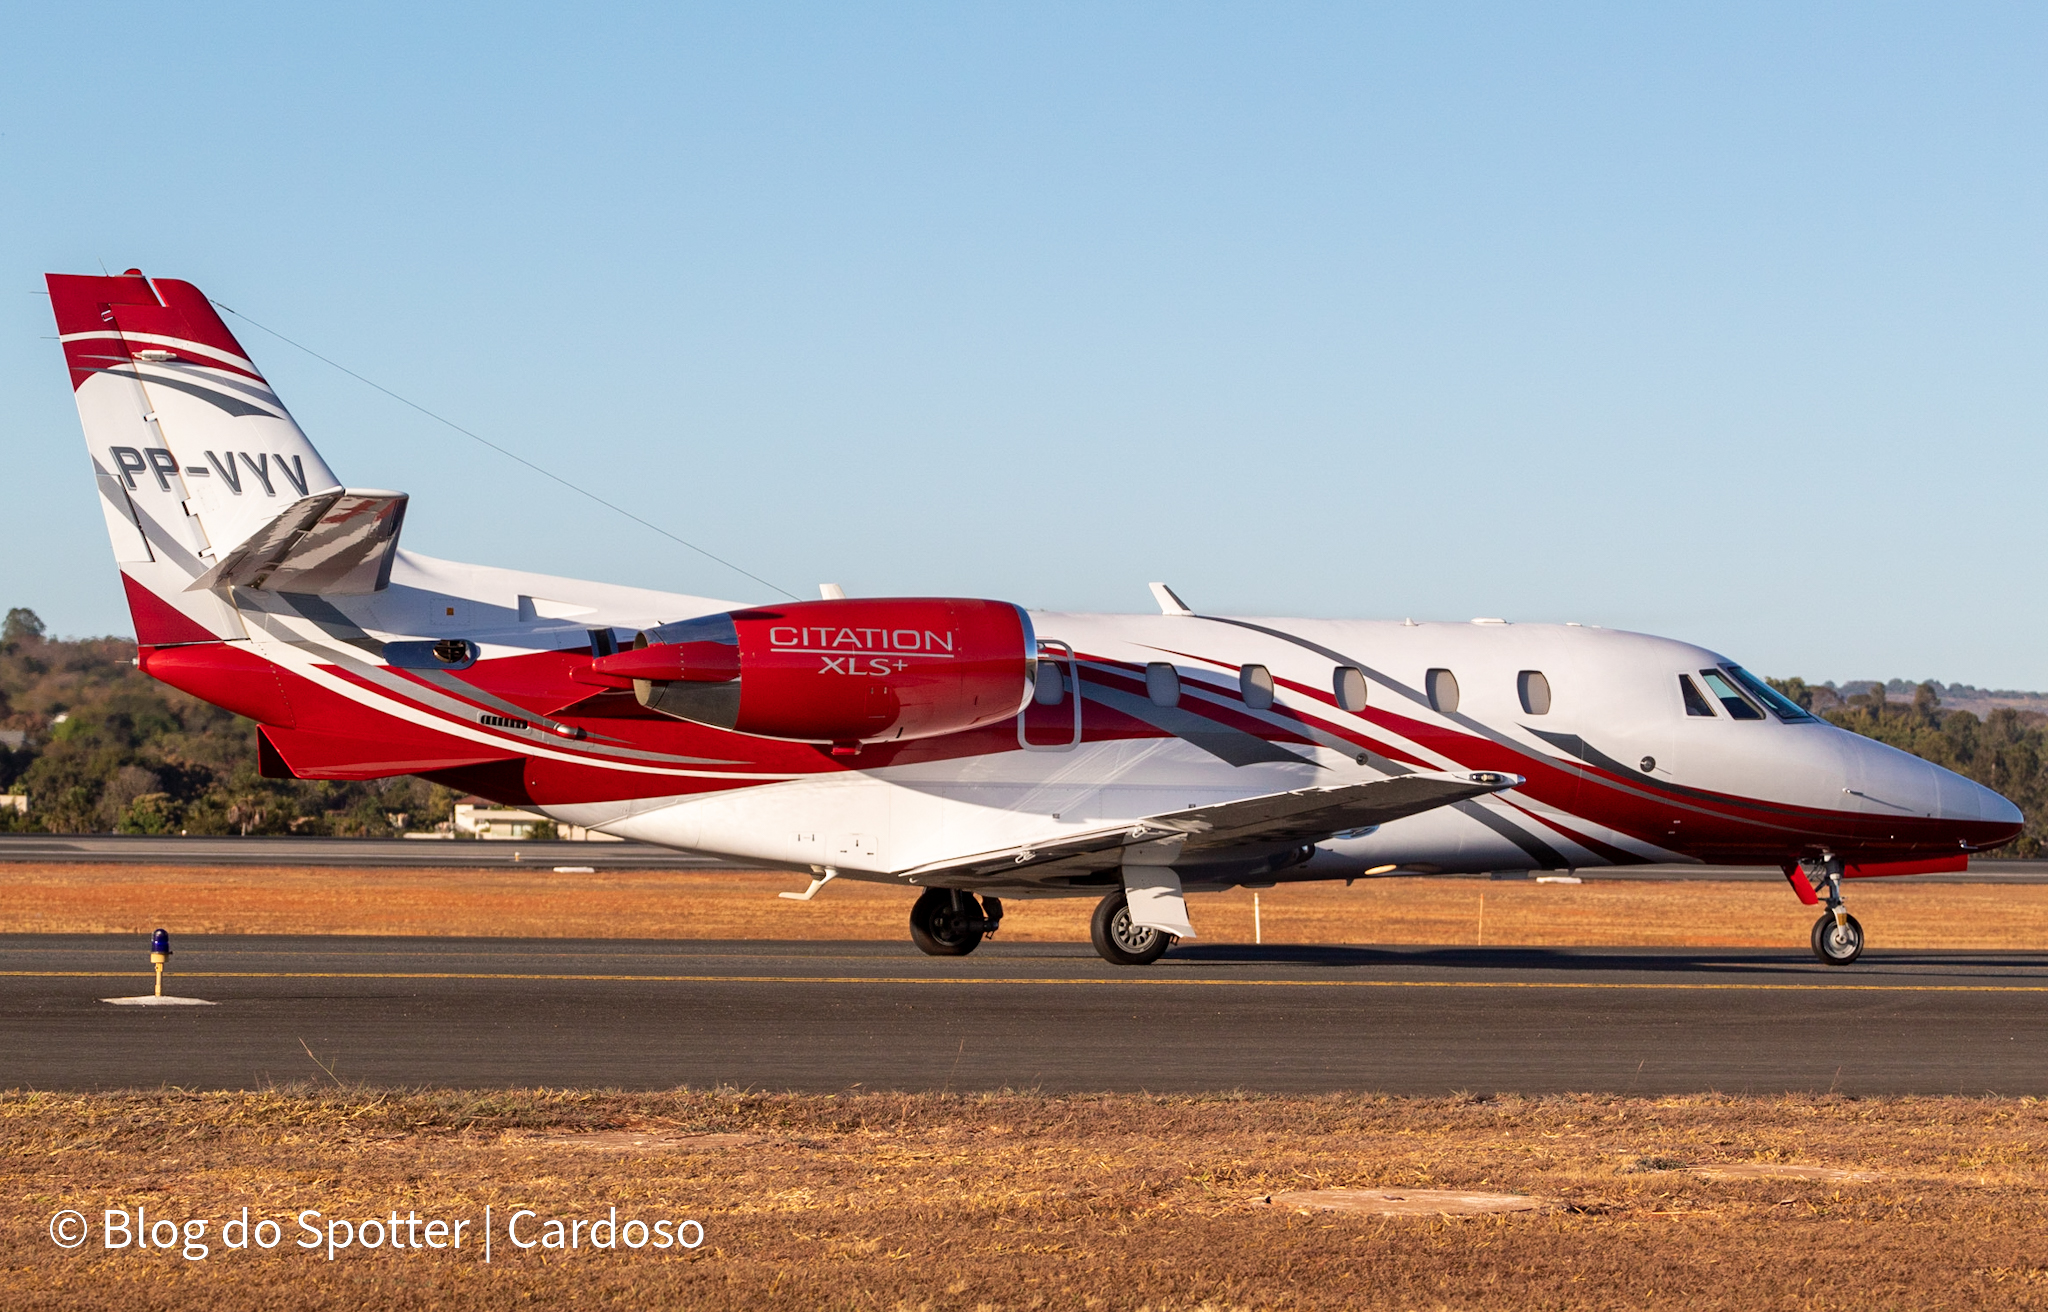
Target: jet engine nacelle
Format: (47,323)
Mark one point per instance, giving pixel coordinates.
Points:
(841,672)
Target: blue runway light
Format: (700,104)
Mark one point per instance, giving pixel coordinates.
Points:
(159,954)
(159,957)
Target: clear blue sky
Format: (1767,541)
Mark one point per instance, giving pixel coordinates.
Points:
(1724,322)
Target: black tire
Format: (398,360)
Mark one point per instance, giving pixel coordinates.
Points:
(943,928)
(1837,947)
(1121,943)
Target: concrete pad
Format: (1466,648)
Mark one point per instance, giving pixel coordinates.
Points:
(151,1000)
(1407,1202)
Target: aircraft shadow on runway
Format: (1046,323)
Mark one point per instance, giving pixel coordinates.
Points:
(1579,961)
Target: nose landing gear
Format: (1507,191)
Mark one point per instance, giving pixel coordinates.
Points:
(945,922)
(1837,937)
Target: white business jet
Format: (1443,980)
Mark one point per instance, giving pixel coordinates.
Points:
(968,748)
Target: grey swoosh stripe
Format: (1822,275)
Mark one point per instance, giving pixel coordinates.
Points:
(1532,847)
(1322,737)
(1219,740)
(1573,745)
(333,623)
(233,405)
(214,378)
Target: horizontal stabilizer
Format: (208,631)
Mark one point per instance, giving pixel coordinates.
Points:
(339,543)
(1208,833)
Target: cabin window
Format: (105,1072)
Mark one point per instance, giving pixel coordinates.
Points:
(1349,685)
(1695,701)
(1782,706)
(1049,685)
(1256,683)
(1443,692)
(1534,691)
(1162,684)
(1737,705)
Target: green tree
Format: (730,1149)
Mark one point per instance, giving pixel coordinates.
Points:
(21,622)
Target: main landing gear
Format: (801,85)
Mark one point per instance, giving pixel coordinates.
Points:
(1119,941)
(1837,938)
(945,922)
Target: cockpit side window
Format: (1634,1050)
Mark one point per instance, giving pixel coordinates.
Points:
(1737,706)
(1781,706)
(1695,701)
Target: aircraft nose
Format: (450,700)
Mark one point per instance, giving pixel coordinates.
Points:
(1966,799)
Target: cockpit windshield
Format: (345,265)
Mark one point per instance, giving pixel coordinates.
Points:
(1781,706)
(1737,706)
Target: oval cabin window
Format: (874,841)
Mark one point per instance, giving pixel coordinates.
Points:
(1162,684)
(1535,692)
(1049,687)
(1256,683)
(1349,686)
(1443,692)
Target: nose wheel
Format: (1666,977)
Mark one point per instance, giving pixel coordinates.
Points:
(1837,944)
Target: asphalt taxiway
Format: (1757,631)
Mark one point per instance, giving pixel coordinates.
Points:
(831,1016)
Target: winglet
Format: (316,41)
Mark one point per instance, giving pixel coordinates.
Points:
(1169,604)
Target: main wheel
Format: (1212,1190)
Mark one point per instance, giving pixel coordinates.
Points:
(1118,940)
(945,923)
(1837,945)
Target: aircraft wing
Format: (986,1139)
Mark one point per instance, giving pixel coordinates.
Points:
(1209,833)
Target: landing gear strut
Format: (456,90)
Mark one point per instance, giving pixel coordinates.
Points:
(945,922)
(1837,938)
(1119,941)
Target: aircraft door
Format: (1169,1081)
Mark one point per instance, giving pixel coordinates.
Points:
(1051,721)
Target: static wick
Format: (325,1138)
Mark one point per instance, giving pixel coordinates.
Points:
(159,953)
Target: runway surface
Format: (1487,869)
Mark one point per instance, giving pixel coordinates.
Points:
(833,1016)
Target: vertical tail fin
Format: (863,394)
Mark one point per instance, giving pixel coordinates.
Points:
(192,451)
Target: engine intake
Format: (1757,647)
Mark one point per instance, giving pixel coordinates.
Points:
(844,672)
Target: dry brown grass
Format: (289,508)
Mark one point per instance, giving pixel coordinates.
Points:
(1019,1201)
(727,905)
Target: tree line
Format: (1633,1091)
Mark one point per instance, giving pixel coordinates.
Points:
(97,746)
